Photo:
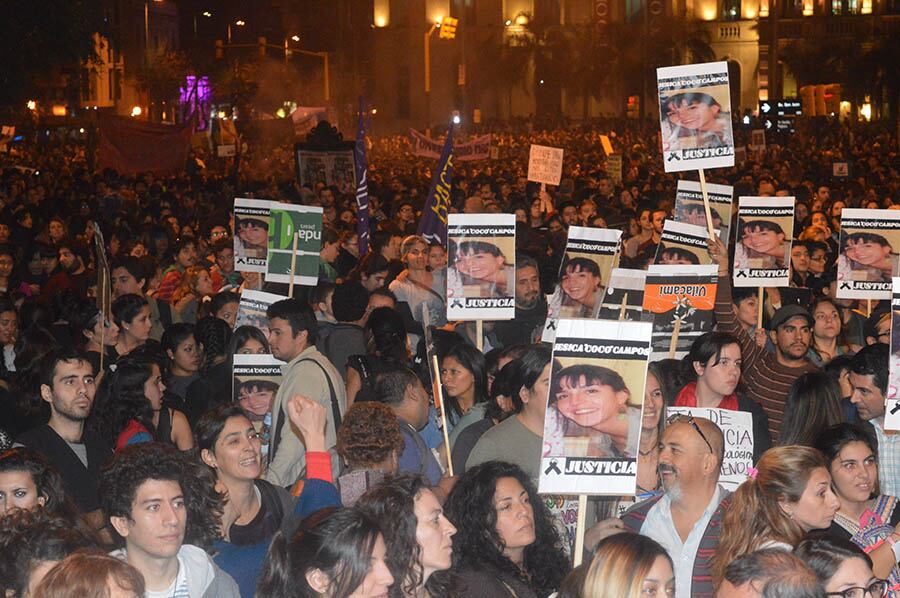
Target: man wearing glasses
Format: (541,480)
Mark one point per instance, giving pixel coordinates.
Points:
(687,518)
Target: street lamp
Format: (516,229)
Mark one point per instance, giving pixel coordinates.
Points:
(239,23)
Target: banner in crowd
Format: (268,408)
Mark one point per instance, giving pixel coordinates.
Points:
(593,421)
(737,428)
(762,245)
(682,300)
(251,234)
(545,164)
(335,167)
(284,221)
(255,383)
(433,224)
(690,210)
(131,146)
(892,406)
(624,297)
(695,116)
(481,272)
(869,247)
(426,147)
(591,254)
(683,244)
(252,309)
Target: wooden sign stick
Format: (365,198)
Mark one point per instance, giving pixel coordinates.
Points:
(760,308)
(293,265)
(440,396)
(709,222)
(479,335)
(624,306)
(673,342)
(579,530)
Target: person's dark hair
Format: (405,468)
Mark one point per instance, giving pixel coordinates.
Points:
(392,504)
(126,308)
(390,386)
(220,300)
(526,261)
(388,334)
(349,301)
(385,292)
(706,347)
(136,464)
(825,554)
(832,441)
(244,333)
(329,235)
(477,544)
(210,425)
(580,264)
(872,360)
(120,399)
(338,542)
(472,360)
(760,225)
(778,574)
(381,238)
(51,360)
(813,404)
(741,294)
(527,370)
(299,316)
(82,316)
(134,267)
(370,264)
(175,335)
(864,237)
(31,349)
(679,253)
(592,374)
(214,335)
(838,366)
(46,480)
(368,435)
(668,374)
(29,538)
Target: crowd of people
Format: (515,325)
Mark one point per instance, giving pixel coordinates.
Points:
(133,463)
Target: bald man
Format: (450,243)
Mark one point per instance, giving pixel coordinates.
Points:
(687,518)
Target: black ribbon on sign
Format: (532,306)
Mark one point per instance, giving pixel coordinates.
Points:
(741,274)
(554,467)
(457,303)
(846,285)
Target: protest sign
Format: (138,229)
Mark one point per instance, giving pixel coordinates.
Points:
(252,309)
(624,297)
(840,170)
(476,149)
(607,146)
(481,273)
(255,382)
(695,116)
(591,439)
(545,164)
(762,248)
(757,140)
(681,300)
(335,167)
(869,244)
(284,221)
(614,168)
(683,244)
(737,428)
(892,407)
(591,253)
(689,206)
(251,234)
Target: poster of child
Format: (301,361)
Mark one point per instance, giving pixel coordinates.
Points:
(762,248)
(869,245)
(690,210)
(251,234)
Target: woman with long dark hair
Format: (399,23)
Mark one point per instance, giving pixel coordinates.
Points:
(506,542)
(184,358)
(813,404)
(336,553)
(29,481)
(464,377)
(131,313)
(416,533)
(213,385)
(827,340)
(388,350)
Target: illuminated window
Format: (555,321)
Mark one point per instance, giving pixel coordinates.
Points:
(845,7)
(731,10)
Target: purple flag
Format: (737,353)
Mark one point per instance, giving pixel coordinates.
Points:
(433,225)
(362,185)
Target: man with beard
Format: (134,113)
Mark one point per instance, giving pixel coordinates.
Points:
(767,376)
(73,274)
(67,385)
(687,518)
(531,306)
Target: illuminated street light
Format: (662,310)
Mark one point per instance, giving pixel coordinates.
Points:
(296,38)
(207,14)
(136,111)
(240,23)
(31,105)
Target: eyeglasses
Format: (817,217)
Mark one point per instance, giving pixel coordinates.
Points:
(877,588)
(689,419)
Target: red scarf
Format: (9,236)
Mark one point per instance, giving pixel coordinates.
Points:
(687,397)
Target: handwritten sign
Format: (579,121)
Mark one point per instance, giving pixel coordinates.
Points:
(737,428)
(545,164)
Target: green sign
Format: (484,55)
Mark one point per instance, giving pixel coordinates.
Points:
(284,221)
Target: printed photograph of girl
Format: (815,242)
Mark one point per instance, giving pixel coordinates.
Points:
(867,257)
(480,269)
(763,245)
(696,119)
(252,236)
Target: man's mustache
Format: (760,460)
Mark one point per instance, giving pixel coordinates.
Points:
(666,468)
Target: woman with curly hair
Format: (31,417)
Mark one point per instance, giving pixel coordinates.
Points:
(417,535)
(370,443)
(790,496)
(507,544)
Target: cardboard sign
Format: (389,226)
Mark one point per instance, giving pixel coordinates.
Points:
(284,221)
(481,271)
(607,146)
(737,428)
(255,382)
(225,151)
(682,300)
(695,116)
(683,244)
(758,140)
(591,439)
(689,206)
(869,247)
(892,406)
(624,298)
(840,170)
(251,234)
(252,309)
(614,168)
(762,248)
(545,164)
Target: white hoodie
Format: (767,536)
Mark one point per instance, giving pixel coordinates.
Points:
(204,578)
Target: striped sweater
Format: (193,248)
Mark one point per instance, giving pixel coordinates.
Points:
(765,380)
(701,580)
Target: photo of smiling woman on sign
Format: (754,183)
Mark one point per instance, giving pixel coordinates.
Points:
(762,245)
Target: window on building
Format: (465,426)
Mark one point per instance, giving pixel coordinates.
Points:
(731,10)
(403,92)
(845,7)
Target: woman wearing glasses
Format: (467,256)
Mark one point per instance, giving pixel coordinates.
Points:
(713,370)
(790,496)
(868,519)
(843,569)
